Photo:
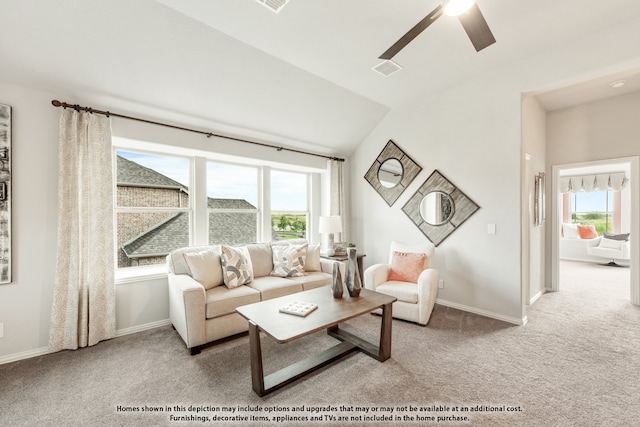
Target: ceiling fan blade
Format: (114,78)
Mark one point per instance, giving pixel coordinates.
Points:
(477,28)
(412,33)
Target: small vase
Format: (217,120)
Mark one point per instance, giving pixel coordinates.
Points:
(337,281)
(354,284)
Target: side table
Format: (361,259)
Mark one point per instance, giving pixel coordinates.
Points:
(344,258)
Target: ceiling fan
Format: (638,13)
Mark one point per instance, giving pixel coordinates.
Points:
(467,12)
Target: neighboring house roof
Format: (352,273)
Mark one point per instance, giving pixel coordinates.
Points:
(134,174)
(224,228)
(159,240)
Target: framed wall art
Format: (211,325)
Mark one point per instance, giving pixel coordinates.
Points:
(5,194)
(392,172)
(438,208)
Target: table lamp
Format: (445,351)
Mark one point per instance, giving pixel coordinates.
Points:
(330,225)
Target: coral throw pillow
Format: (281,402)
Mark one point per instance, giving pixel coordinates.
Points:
(406,266)
(587,232)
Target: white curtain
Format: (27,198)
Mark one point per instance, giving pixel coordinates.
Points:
(83,311)
(589,183)
(336,192)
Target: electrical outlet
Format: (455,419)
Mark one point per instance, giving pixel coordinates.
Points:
(441,283)
(1,330)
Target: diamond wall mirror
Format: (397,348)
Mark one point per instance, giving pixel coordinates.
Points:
(392,172)
(438,208)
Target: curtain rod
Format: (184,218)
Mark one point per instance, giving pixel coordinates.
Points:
(77,107)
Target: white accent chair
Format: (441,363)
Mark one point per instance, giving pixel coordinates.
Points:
(415,300)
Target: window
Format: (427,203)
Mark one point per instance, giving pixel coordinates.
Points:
(232,203)
(153,210)
(289,205)
(166,201)
(593,208)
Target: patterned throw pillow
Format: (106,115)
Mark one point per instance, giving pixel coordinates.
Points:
(236,266)
(406,266)
(289,261)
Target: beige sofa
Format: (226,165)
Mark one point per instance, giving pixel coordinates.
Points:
(202,307)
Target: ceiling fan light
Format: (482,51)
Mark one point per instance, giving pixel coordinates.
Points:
(457,7)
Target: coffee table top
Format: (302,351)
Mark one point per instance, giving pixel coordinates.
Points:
(331,311)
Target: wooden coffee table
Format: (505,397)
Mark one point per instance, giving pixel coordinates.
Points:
(330,313)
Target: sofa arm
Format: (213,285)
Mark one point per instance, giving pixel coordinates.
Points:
(326,265)
(427,291)
(592,243)
(376,275)
(187,302)
(626,249)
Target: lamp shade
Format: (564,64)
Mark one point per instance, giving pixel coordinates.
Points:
(457,7)
(330,224)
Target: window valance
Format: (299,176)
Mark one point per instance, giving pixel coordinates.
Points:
(588,183)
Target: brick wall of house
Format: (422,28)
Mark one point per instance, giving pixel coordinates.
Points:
(130,225)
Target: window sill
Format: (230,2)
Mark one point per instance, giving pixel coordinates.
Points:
(139,274)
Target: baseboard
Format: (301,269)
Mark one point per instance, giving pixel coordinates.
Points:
(45,350)
(24,355)
(140,328)
(492,315)
(536,297)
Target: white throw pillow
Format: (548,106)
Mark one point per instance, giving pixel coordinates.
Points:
(236,266)
(610,243)
(205,267)
(289,261)
(570,231)
(313,258)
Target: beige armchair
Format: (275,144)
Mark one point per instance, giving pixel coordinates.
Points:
(413,282)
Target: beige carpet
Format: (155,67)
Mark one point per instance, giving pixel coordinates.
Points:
(576,363)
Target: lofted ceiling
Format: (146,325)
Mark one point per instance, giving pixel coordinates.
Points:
(301,77)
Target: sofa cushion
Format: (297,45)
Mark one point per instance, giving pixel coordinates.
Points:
(236,266)
(261,262)
(610,243)
(404,291)
(205,267)
(222,300)
(570,231)
(622,236)
(273,287)
(314,279)
(289,261)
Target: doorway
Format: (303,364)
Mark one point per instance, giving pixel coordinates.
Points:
(632,166)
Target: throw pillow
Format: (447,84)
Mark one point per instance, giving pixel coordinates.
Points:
(313,258)
(236,266)
(205,267)
(569,231)
(587,232)
(406,266)
(623,236)
(289,261)
(610,243)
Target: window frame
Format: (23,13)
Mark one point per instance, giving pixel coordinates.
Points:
(198,209)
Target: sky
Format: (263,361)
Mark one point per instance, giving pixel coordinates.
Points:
(228,181)
(595,201)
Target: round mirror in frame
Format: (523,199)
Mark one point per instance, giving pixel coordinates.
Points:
(390,173)
(436,208)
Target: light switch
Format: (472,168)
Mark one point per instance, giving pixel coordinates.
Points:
(491,229)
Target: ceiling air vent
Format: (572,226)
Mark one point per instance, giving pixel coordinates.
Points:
(274,5)
(387,68)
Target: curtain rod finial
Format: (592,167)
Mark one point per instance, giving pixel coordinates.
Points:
(56,103)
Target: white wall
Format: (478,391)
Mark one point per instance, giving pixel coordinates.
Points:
(472,134)
(534,144)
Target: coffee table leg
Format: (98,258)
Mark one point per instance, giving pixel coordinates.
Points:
(385,332)
(257,372)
